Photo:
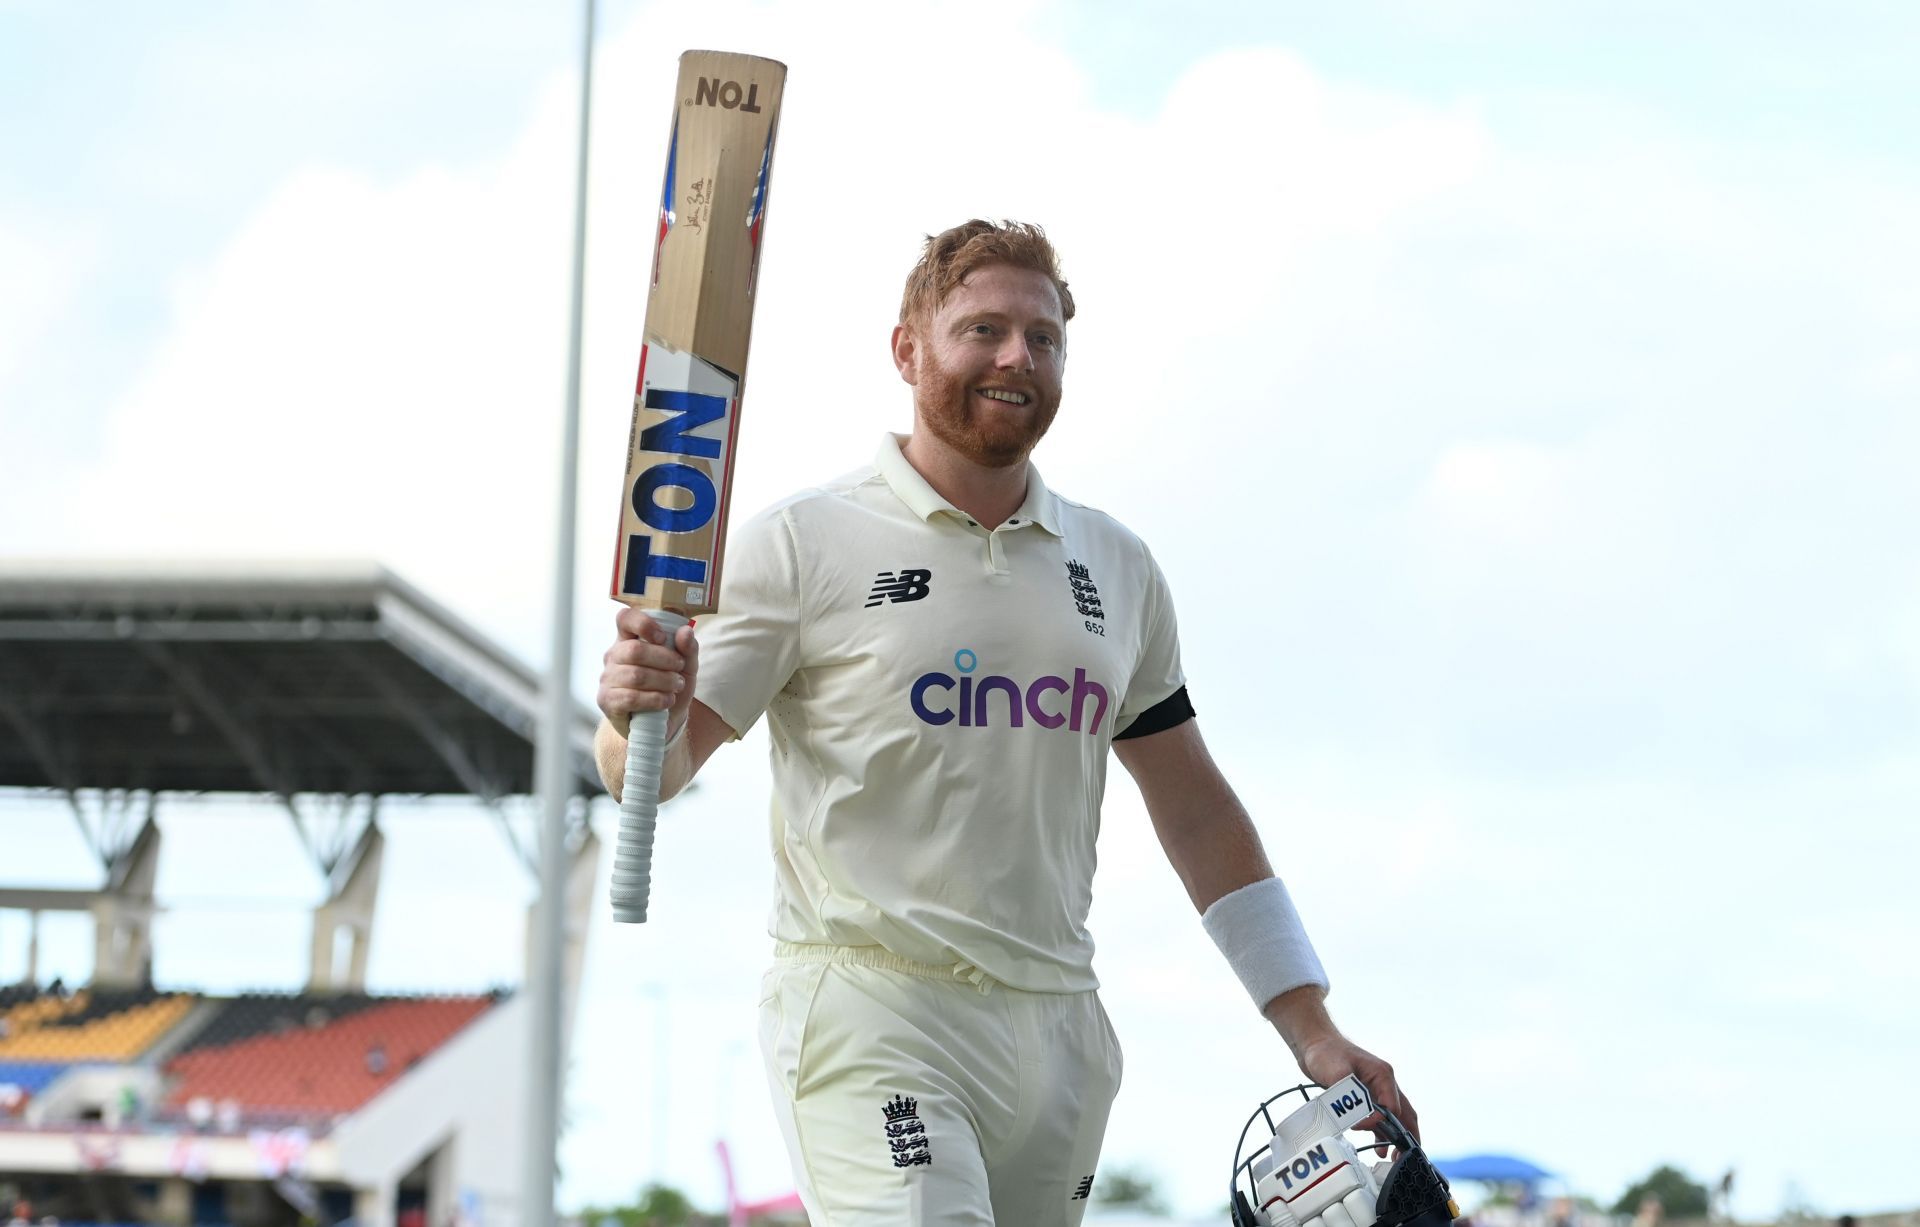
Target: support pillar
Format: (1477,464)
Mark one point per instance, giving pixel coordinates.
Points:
(374,1207)
(174,1206)
(123,915)
(349,910)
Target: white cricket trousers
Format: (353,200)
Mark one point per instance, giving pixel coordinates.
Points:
(920,1096)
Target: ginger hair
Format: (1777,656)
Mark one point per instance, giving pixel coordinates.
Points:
(951,255)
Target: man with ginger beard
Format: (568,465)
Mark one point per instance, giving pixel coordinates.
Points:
(946,651)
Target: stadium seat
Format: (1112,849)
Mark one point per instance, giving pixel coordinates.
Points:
(312,1056)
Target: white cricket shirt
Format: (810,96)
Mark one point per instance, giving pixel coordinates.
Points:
(941,699)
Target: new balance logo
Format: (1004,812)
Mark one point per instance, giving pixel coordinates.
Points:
(908,585)
(1083,1190)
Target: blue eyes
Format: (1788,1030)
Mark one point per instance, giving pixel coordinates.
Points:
(1042,340)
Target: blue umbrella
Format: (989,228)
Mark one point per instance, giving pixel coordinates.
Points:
(1494,1169)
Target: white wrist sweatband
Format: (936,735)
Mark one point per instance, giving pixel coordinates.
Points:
(1259,931)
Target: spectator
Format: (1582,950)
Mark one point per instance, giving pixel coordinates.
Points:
(200,1112)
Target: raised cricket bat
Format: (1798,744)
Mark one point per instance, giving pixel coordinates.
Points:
(686,404)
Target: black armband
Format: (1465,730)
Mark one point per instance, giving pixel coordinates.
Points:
(1174,710)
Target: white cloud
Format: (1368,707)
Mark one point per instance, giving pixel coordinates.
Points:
(45,261)
(367,368)
(1500,493)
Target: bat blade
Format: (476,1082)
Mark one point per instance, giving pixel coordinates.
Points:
(686,408)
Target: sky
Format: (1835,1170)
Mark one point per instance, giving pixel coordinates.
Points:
(1521,400)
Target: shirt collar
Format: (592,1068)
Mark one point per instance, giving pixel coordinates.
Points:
(1040,506)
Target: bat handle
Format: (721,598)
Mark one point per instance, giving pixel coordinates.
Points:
(640,801)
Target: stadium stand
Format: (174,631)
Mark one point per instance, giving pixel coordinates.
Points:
(218,1110)
(139,687)
(13,994)
(273,1057)
(103,1025)
(30,1076)
(299,1057)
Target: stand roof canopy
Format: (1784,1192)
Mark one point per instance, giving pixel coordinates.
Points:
(258,678)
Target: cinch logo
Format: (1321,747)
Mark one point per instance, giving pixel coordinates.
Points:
(1304,1164)
(941,698)
(712,91)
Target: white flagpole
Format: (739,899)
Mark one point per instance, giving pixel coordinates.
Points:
(553,768)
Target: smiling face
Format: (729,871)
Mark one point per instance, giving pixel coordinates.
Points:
(986,365)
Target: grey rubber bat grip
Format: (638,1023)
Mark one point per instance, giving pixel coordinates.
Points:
(640,801)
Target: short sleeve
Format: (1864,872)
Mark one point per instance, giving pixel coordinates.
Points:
(1157,675)
(750,646)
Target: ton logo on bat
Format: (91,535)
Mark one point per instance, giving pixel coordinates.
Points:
(713,91)
(687,410)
